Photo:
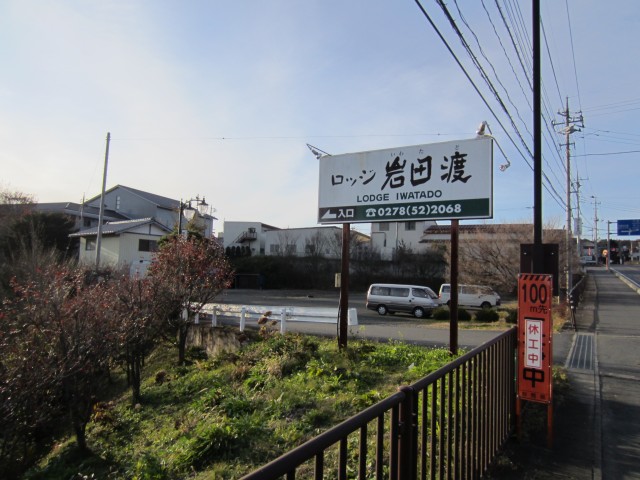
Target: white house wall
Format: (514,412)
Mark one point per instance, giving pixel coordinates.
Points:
(233,230)
(386,241)
(121,250)
(109,251)
(277,240)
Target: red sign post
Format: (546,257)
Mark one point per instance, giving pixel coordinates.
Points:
(535,292)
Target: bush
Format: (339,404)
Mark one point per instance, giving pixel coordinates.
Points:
(512,316)
(442,313)
(487,316)
(463,315)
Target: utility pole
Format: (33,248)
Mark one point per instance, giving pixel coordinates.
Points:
(578,218)
(569,128)
(101,214)
(595,223)
(538,254)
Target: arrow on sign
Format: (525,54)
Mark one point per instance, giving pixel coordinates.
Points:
(328,215)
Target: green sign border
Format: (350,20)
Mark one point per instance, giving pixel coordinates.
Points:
(441,210)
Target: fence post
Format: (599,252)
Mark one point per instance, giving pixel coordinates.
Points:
(408,435)
(214,316)
(283,321)
(243,313)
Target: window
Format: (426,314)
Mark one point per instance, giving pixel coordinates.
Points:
(410,226)
(291,249)
(309,249)
(399,292)
(86,222)
(147,245)
(274,248)
(118,202)
(384,226)
(91,244)
(379,290)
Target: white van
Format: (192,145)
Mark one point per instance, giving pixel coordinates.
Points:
(470,296)
(391,298)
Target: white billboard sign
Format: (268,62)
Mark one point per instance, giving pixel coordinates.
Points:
(440,181)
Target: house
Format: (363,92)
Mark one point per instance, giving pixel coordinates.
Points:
(127,243)
(504,232)
(134,204)
(83,215)
(133,221)
(126,203)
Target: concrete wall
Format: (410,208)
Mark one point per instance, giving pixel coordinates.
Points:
(214,340)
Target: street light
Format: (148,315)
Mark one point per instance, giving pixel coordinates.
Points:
(189,212)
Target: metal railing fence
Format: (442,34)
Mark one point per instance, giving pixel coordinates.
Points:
(450,424)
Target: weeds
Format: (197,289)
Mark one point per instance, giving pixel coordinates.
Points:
(227,415)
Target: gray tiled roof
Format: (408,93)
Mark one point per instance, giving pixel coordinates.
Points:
(71,208)
(159,200)
(116,228)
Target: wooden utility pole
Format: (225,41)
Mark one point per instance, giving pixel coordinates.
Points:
(101,215)
(538,260)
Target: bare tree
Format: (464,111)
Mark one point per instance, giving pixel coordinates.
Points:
(491,254)
(135,328)
(357,243)
(185,275)
(316,245)
(287,242)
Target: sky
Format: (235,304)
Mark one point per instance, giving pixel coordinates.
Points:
(220,98)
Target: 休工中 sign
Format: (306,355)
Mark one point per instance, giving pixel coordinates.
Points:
(447,180)
(535,293)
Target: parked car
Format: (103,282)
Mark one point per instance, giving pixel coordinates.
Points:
(588,260)
(391,298)
(470,296)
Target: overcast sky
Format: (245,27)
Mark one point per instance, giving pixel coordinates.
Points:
(219,98)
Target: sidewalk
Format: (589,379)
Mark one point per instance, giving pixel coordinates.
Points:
(596,432)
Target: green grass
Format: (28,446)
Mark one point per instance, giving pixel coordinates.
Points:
(222,417)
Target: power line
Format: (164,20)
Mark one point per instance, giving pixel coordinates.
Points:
(573,55)
(607,154)
(549,186)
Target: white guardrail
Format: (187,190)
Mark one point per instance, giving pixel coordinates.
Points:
(261,314)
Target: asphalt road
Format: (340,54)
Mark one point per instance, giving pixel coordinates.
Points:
(628,270)
(370,325)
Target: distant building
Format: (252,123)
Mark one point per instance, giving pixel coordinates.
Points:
(246,237)
(387,237)
(129,243)
(135,204)
(133,222)
(255,238)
